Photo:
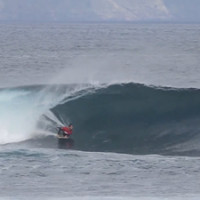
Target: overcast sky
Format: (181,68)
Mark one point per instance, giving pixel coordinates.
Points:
(100,10)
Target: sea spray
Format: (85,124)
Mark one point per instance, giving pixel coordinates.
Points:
(23,109)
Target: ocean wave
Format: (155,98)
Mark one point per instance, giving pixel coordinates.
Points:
(134,118)
(126,118)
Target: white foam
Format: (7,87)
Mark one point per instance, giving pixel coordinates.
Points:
(21,110)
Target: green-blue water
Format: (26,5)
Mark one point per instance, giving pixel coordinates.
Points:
(127,88)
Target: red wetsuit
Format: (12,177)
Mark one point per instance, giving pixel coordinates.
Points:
(67,130)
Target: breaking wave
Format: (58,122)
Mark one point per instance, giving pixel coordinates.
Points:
(127,118)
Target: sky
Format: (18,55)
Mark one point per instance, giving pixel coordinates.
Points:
(100,10)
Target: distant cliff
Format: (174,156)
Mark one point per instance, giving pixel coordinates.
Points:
(95,10)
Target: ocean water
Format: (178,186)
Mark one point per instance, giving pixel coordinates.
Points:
(132,92)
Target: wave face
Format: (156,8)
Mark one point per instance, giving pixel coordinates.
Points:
(134,118)
(126,118)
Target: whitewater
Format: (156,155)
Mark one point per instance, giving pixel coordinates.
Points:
(132,92)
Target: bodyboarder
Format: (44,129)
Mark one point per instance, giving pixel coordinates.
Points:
(65,131)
